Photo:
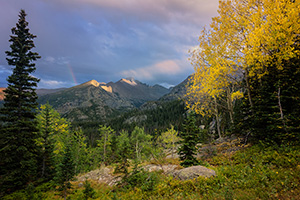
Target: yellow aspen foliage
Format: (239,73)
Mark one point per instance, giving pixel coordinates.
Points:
(241,42)
(237,95)
(275,28)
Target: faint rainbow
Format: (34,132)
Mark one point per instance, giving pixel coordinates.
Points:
(72,73)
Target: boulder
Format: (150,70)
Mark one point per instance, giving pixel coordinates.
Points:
(102,175)
(164,168)
(193,172)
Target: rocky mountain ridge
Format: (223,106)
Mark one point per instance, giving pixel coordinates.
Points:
(95,101)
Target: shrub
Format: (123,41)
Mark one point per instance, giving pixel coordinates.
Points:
(139,178)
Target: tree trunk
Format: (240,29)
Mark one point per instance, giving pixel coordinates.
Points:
(137,149)
(65,194)
(173,147)
(281,112)
(217,118)
(229,104)
(104,147)
(248,88)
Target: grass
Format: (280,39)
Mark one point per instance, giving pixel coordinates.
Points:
(256,172)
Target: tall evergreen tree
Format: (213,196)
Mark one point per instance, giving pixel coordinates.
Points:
(190,136)
(47,122)
(276,95)
(65,172)
(18,149)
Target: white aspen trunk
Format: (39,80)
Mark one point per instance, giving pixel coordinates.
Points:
(104,147)
(248,89)
(217,118)
(229,104)
(137,149)
(281,112)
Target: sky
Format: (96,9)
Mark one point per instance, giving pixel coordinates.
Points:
(106,40)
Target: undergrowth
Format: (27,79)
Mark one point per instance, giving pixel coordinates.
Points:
(257,172)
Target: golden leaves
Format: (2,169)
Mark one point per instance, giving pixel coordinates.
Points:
(246,38)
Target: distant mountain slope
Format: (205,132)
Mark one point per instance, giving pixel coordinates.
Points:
(176,92)
(159,114)
(137,92)
(42,91)
(96,101)
(85,101)
(39,92)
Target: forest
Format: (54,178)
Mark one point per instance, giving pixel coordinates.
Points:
(239,118)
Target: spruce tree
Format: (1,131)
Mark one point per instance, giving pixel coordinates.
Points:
(274,116)
(18,149)
(190,136)
(47,121)
(65,172)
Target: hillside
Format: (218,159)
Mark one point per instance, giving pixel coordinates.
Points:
(92,100)
(95,101)
(176,92)
(41,92)
(137,92)
(242,172)
(85,102)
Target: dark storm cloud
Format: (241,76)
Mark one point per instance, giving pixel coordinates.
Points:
(106,40)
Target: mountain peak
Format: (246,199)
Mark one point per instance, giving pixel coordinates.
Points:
(2,93)
(129,81)
(91,82)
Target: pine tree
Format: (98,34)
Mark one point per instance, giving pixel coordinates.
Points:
(47,121)
(18,149)
(88,191)
(187,151)
(104,142)
(124,152)
(275,116)
(65,172)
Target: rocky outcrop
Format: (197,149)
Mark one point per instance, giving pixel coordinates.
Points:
(137,92)
(167,169)
(94,101)
(193,172)
(182,174)
(105,175)
(102,175)
(136,119)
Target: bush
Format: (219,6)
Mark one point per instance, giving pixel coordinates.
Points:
(88,191)
(139,178)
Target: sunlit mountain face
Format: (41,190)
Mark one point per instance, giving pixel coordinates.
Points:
(95,100)
(1,94)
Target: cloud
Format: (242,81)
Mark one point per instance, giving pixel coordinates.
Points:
(167,67)
(5,70)
(166,85)
(147,39)
(154,10)
(50,59)
(52,84)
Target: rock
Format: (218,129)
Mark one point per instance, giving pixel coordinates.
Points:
(193,172)
(136,119)
(102,175)
(174,156)
(165,168)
